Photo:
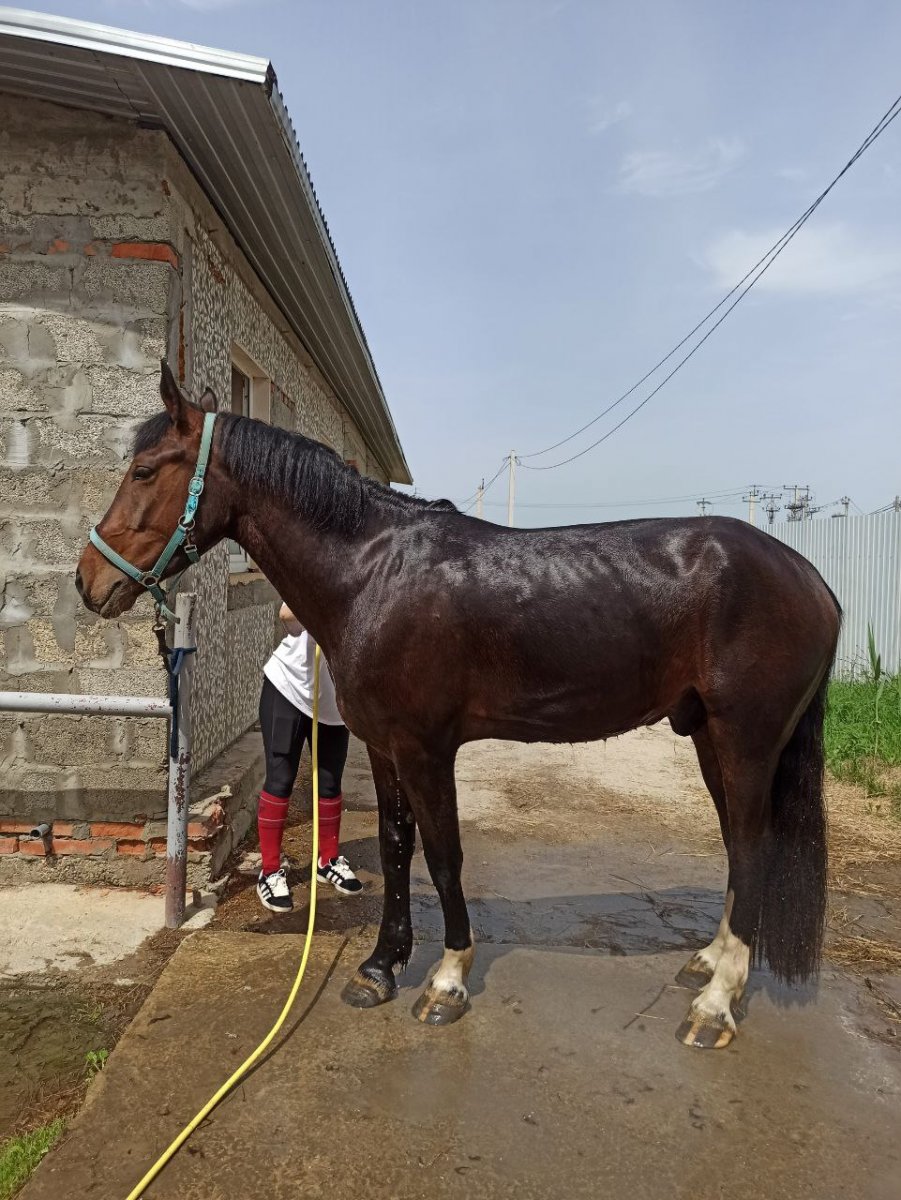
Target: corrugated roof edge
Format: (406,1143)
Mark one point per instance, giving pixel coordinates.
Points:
(86,35)
(287,125)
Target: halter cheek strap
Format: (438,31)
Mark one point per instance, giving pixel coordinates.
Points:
(182,538)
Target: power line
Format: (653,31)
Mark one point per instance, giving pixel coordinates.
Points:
(733,499)
(756,272)
(622,504)
(726,496)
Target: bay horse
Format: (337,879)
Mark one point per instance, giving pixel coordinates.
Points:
(442,629)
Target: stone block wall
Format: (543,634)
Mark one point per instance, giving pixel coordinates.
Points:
(111,256)
(231,311)
(89,283)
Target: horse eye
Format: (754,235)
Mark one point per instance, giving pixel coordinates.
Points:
(142,473)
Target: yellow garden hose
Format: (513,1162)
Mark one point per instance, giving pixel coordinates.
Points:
(245,1066)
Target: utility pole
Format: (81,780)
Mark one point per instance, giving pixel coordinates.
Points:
(511,488)
(797,510)
(703,505)
(770,507)
(751,499)
(480,496)
(793,508)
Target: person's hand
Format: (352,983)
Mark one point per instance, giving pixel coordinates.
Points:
(290,622)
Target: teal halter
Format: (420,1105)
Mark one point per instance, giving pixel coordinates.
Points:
(182,538)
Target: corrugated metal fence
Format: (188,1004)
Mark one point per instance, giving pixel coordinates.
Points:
(860,559)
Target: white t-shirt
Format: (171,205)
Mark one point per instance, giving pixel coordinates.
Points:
(290,670)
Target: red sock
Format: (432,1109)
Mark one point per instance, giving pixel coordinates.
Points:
(271,817)
(329,827)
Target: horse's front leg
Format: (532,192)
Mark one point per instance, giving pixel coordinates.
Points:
(374,981)
(430,785)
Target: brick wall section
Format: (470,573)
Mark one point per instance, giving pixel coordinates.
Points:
(134,852)
(117,851)
(107,839)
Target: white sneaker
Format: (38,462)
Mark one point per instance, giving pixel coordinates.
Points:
(274,892)
(337,872)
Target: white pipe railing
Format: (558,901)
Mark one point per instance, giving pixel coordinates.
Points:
(110,706)
(179,766)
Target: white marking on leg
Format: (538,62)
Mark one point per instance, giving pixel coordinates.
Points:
(450,978)
(728,983)
(710,955)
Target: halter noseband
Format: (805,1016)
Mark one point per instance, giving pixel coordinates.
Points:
(182,538)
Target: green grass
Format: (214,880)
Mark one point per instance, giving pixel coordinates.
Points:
(863,734)
(94,1062)
(19,1156)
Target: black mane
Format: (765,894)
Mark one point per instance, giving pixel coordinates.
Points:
(288,466)
(151,432)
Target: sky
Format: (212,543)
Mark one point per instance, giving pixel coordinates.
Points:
(534,200)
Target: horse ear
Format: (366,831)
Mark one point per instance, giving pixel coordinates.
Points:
(208,401)
(172,394)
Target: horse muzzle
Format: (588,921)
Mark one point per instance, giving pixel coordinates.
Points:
(103,589)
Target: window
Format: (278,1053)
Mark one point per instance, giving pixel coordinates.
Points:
(250,397)
(240,393)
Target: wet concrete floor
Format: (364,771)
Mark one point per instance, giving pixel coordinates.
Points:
(564,1078)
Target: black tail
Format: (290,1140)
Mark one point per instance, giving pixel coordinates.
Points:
(793,904)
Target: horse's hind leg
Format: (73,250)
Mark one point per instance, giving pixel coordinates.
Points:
(698,971)
(747,779)
(374,981)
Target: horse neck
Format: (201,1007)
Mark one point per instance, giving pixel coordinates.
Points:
(314,571)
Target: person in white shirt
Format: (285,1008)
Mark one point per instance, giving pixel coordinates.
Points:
(286,722)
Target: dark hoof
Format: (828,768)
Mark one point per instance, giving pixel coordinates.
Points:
(369,989)
(705,1033)
(694,975)
(433,1011)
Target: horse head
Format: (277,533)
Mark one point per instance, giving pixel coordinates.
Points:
(150,504)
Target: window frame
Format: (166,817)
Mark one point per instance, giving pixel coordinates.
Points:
(259,387)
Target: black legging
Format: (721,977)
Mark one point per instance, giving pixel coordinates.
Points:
(285,730)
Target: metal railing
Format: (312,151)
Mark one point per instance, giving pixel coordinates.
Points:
(179,762)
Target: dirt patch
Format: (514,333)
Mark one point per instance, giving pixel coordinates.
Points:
(51,1022)
(864,841)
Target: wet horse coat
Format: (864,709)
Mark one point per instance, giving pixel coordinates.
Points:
(442,629)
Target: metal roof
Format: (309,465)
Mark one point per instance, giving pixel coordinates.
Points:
(227,118)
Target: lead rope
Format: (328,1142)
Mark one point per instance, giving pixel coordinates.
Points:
(245,1066)
(173,661)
